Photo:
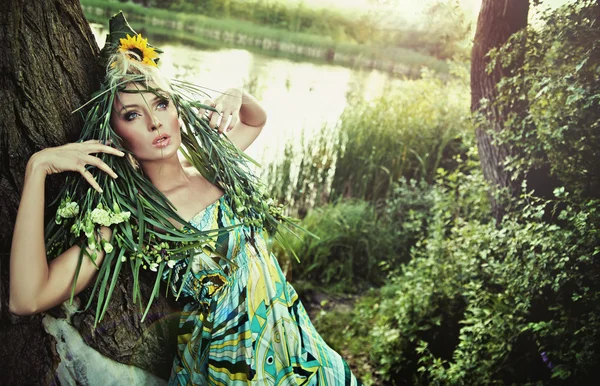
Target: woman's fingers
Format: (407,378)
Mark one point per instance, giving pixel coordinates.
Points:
(234,120)
(226,116)
(76,156)
(97,162)
(228,106)
(99,148)
(216,119)
(90,178)
(203,112)
(227,119)
(110,150)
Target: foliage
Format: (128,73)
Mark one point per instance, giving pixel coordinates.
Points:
(296,18)
(408,212)
(481,304)
(444,32)
(424,300)
(302,177)
(277,14)
(516,302)
(488,303)
(346,330)
(560,83)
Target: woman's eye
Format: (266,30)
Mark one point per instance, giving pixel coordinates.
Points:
(131,116)
(163,104)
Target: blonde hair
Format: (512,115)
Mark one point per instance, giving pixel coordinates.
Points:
(122,67)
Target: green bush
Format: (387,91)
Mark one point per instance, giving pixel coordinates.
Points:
(478,303)
(482,304)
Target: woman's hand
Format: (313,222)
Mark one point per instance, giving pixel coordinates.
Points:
(239,114)
(74,157)
(228,106)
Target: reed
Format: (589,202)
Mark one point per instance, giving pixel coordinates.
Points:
(409,132)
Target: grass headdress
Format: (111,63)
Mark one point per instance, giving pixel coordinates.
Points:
(137,213)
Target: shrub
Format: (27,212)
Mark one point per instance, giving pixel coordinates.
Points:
(482,304)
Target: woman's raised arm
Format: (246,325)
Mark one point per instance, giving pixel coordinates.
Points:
(242,117)
(35,285)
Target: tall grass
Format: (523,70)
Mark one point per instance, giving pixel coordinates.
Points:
(409,132)
(359,244)
(353,252)
(303,176)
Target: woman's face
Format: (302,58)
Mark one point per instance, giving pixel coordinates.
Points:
(148,123)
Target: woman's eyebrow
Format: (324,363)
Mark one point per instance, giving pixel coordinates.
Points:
(154,100)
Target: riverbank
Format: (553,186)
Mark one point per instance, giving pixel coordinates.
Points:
(209,32)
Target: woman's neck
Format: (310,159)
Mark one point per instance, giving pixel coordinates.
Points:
(165,174)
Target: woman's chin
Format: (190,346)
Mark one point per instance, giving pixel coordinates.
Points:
(160,154)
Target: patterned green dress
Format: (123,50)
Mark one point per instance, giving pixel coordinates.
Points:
(243,323)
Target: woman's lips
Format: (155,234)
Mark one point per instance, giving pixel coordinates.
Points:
(162,141)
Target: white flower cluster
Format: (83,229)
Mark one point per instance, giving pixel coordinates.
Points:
(70,210)
(89,222)
(67,209)
(107,218)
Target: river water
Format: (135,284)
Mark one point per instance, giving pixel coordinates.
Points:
(296,95)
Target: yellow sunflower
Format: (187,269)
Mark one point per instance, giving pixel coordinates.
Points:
(137,48)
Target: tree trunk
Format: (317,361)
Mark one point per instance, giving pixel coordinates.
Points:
(498,20)
(48,68)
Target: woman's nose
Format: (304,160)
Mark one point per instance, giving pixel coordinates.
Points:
(156,123)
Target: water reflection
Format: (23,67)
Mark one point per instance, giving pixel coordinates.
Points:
(296,95)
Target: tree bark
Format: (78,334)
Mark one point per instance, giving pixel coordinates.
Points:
(48,68)
(497,21)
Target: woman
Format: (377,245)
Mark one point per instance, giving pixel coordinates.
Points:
(242,322)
